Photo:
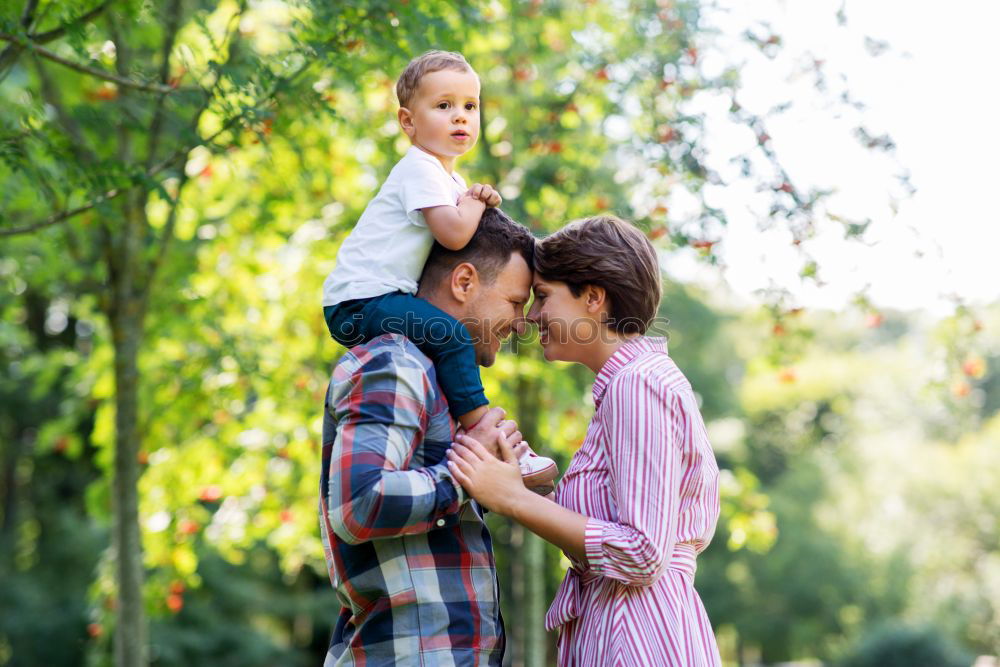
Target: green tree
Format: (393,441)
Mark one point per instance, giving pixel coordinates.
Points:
(179,176)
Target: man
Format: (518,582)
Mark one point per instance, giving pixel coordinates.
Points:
(408,553)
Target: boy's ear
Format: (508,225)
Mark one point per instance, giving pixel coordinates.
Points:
(405,120)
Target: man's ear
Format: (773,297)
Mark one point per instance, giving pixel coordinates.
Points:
(464,282)
(405,117)
(595,297)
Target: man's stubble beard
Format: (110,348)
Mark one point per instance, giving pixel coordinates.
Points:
(482,339)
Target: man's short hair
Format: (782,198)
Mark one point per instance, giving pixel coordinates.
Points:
(607,252)
(490,249)
(432,61)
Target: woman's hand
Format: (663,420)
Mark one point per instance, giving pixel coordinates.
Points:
(494,482)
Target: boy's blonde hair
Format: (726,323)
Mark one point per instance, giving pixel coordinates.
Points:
(432,61)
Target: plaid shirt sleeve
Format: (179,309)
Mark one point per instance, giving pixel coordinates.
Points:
(381,412)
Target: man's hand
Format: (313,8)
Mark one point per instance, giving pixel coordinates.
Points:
(492,427)
(493,480)
(484,193)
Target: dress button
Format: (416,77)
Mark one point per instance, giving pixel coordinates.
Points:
(440,522)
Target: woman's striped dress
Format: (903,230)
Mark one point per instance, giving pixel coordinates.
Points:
(647,478)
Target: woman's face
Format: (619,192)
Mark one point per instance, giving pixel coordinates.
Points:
(566,327)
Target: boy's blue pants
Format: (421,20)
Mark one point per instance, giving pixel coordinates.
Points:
(436,333)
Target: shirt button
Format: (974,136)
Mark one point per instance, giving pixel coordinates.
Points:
(440,522)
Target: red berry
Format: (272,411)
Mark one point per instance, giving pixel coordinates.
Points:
(974,367)
(188,526)
(175,602)
(211,493)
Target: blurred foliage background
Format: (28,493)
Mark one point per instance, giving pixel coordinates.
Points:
(177,178)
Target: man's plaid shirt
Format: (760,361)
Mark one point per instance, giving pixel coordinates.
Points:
(408,553)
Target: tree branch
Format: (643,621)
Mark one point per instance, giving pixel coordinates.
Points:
(180,153)
(51,97)
(56,33)
(92,71)
(13,50)
(111,194)
(156,125)
(168,235)
(59,217)
(28,15)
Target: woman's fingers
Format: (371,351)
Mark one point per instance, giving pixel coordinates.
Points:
(459,452)
(507,450)
(460,475)
(472,448)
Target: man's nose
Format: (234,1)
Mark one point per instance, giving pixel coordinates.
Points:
(520,326)
(532,315)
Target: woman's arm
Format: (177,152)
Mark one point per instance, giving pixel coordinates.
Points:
(644,461)
(497,484)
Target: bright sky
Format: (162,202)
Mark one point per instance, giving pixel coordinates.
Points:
(933,90)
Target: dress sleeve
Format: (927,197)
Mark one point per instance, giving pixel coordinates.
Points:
(644,460)
(381,418)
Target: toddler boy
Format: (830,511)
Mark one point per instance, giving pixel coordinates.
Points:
(372,289)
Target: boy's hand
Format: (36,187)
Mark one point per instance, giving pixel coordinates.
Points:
(486,194)
(492,427)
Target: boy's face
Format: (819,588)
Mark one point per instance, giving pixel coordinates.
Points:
(443,116)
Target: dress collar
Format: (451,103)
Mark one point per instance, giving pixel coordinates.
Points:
(622,357)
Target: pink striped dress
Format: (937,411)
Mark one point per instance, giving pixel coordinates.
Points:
(647,478)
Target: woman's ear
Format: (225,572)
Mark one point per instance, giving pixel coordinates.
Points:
(595,297)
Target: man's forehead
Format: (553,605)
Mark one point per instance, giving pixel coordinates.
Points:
(517,277)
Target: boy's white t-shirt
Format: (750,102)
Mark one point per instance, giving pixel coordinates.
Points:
(388,247)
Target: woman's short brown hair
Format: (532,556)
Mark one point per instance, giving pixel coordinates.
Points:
(432,61)
(607,252)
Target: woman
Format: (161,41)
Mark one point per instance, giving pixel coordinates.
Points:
(640,498)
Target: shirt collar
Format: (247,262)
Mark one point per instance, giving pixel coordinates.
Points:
(622,357)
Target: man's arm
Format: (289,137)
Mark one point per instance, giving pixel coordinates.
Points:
(381,416)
